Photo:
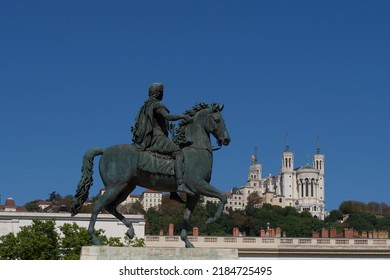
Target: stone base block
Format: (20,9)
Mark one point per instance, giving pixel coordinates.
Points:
(149,253)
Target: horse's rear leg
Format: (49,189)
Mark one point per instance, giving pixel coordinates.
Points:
(112,208)
(190,206)
(108,197)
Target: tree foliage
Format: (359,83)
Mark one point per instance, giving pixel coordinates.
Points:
(41,241)
(374,208)
(249,221)
(32,206)
(74,237)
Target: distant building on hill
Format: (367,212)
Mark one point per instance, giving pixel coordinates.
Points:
(10,206)
(43,204)
(302,188)
(148,199)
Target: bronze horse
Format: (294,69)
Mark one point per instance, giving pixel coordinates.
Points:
(121,168)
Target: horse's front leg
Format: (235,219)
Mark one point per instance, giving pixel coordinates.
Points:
(208,190)
(190,206)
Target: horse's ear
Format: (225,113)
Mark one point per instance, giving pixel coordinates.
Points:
(217,107)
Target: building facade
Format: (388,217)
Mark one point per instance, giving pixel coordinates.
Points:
(150,198)
(302,188)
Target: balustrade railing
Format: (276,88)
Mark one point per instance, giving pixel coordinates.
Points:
(274,242)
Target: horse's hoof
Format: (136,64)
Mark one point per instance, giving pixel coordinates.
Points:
(96,241)
(130,233)
(210,221)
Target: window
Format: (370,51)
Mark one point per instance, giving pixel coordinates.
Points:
(307,187)
(312,188)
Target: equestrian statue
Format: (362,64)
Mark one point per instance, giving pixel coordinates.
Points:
(153,161)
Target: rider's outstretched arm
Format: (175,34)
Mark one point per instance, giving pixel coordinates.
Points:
(170,117)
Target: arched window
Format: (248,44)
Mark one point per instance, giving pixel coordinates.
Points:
(307,187)
(312,188)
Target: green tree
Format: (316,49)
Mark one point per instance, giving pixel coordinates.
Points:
(383,224)
(155,221)
(65,201)
(136,208)
(74,237)
(334,216)
(362,221)
(352,206)
(135,242)
(254,200)
(40,241)
(54,197)
(374,208)
(32,206)
(8,247)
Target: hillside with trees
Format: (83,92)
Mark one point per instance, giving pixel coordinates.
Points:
(256,216)
(351,214)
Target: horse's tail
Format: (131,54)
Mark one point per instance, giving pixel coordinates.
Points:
(85,181)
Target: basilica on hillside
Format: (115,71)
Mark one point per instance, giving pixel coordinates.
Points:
(300,187)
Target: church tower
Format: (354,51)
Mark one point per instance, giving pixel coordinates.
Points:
(254,174)
(319,164)
(287,180)
(318,161)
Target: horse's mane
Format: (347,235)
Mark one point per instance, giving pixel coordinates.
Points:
(180,136)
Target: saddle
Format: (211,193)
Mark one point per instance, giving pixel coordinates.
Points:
(156,163)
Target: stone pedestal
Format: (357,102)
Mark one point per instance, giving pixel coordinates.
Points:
(149,253)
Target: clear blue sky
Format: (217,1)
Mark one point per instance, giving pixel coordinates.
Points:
(73,75)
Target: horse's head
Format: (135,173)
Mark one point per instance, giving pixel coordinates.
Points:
(206,118)
(216,125)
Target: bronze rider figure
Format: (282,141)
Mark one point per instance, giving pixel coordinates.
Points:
(151,133)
